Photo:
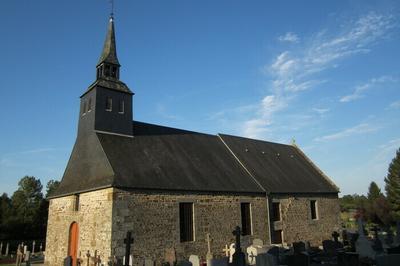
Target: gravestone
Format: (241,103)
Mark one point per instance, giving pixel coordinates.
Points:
(252,253)
(266,259)
(183,263)
(363,246)
(347,259)
(329,247)
(377,246)
(397,233)
(41,247)
(209,255)
(231,252)
(226,250)
(274,252)
(27,258)
(25,249)
(238,258)
(68,261)
(19,255)
(1,248)
(388,260)
(148,262)
(7,247)
(128,262)
(33,247)
(299,247)
(220,262)
(170,256)
(128,241)
(195,260)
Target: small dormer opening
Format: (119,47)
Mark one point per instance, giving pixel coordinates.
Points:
(121,107)
(109,104)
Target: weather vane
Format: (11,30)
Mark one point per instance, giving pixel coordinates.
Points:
(112,8)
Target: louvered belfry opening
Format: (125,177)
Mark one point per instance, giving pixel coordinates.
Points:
(246,219)
(186,221)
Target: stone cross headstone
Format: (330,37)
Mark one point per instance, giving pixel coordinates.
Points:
(170,256)
(87,258)
(253,251)
(25,249)
(1,248)
(363,246)
(239,258)
(209,255)
(232,249)
(226,250)
(19,256)
(33,247)
(194,259)
(128,241)
(7,247)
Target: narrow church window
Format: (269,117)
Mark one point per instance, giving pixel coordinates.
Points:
(313,205)
(84,108)
(121,108)
(246,218)
(277,237)
(109,104)
(276,211)
(90,105)
(186,221)
(76,203)
(98,73)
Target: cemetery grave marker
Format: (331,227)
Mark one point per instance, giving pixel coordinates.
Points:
(194,259)
(226,250)
(7,247)
(128,241)
(209,255)
(238,258)
(363,246)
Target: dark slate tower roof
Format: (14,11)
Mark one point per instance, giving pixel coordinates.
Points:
(109,54)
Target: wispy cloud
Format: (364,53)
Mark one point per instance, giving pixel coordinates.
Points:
(360,89)
(321,111)
(394,105)
(289,37)
(293,72)
(38,150)
(356,130)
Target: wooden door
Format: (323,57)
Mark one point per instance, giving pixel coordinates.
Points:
(73,242)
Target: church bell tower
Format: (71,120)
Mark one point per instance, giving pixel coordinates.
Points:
(106,106)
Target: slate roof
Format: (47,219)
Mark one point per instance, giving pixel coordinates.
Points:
(163,158)
(279,168)
(109,54)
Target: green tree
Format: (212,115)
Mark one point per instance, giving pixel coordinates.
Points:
(5,214)
(52,185)
(392,187)
(374,192)
(377,208)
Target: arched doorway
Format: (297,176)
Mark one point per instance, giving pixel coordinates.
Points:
(73,242)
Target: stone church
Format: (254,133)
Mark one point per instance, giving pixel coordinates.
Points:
(170,187)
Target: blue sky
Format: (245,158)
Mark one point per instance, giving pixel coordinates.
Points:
(325,73)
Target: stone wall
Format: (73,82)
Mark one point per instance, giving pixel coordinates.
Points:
(153,218)
(296,223)
(94,223)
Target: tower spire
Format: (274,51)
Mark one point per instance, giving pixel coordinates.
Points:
(109,53)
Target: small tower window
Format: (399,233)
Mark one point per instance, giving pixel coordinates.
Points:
(76,203)
(107,71)
(121,108)
(313,207)
(84,108)
(109,104)
(90,105)
(114,72)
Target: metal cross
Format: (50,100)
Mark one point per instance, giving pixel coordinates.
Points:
(226,250)
(112,7)
(237,232)
(128,241)
(208,239)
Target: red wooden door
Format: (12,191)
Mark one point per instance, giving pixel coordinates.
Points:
(73,242)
